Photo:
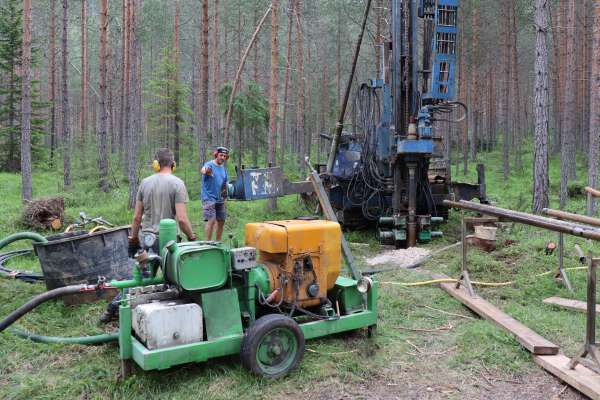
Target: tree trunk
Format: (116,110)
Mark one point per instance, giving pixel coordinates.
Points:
(567,138)
(134,114)
(515,96)
(52,80)
(26,190)
(541,184)
(215,120)
(557,85)
(273,89)
(84,74)
(123,117)
(594,108)
(204,84)
(300,133)
(474,81)
(505,95)
(282,142)
(175,60)
(102,128)
(462,93)
(66,120)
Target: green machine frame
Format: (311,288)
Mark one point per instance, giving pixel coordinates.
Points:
(132,349)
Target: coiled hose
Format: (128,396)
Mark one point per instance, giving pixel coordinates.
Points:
(42,298)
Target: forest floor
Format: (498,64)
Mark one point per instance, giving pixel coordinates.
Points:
(427,345)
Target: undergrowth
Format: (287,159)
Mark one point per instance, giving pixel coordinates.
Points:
(415,324)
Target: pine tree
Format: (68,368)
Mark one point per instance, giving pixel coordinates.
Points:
(11,49)
(166,102)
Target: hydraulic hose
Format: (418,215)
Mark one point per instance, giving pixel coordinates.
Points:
(84,340)
(42,298)
(36,237)
(25,276)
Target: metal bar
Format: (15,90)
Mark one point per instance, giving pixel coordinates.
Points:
(340,123)
(561,262)
(529,219)
(563,215)
(465,279)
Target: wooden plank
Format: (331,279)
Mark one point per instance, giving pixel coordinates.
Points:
(533,342)
(581,378)
(574,305)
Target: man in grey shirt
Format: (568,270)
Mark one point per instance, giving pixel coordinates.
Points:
(160,196)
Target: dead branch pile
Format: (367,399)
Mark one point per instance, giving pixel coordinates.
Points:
(44,213)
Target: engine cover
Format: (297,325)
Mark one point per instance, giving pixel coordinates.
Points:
(302,258)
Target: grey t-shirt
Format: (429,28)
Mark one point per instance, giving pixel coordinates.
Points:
(160,193)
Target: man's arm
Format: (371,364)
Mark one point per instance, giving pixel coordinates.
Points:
(137,219)
(183,221)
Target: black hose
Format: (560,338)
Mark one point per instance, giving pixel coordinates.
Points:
(39,299)
(25,276)
(84,340)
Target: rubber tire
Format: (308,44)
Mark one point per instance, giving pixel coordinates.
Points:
(254,336)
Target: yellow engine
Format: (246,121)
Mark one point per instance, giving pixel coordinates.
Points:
(302,258)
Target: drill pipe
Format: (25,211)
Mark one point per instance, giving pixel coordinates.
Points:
(529,219)
(567,216)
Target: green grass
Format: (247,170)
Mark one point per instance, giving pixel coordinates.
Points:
(348,361)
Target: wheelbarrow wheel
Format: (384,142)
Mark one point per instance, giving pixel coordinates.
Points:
(272,346)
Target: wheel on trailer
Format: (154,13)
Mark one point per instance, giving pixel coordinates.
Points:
(272,346)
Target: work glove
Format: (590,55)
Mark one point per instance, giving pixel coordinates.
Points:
(208,171)
(134,246)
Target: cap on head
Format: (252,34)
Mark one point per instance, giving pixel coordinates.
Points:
(221,150)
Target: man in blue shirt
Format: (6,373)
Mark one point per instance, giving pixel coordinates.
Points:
(214,193)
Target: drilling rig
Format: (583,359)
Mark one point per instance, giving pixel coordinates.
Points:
(391,167)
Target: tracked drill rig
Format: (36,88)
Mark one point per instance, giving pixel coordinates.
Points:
(391,167)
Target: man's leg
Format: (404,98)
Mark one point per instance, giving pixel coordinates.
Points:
(208,229)
(220,215)
(219,233)
(210,215)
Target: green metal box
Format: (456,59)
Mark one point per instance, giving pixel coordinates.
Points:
(347,295)
(194,266)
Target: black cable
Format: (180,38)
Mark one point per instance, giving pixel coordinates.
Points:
(25,276)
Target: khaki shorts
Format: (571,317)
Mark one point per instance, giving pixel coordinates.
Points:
(214,211)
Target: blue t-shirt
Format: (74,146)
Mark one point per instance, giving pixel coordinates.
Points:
(212,184)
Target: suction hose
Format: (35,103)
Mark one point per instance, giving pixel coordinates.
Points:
(20,236)
(84,340)
(42,298)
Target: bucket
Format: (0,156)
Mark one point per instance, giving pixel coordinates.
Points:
(485,232)
(80,258)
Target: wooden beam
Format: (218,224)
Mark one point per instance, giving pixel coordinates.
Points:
(533,342)
(574,305)
(592,191)
(581,378)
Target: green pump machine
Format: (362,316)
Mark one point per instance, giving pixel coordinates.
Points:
(199,300)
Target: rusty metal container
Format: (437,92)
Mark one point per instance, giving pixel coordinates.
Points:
(80,257)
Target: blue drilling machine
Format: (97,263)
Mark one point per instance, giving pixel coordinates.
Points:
(393,169)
